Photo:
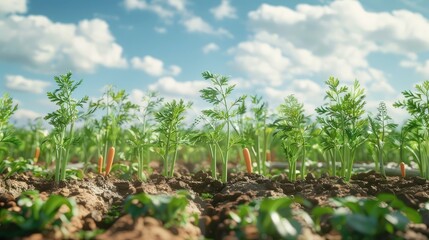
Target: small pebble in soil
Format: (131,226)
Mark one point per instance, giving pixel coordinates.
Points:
(341,181)
(279,178)
(288,188)
(324,175)
(66,192)
(310,177)
(372,190)
(318,189)
(201,175)
(422,196)
(419,180)
(327,186)
(372,179)
(408,200)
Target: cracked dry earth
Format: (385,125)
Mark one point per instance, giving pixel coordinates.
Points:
(96,197)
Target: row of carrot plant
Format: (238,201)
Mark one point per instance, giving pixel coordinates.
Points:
(154,128)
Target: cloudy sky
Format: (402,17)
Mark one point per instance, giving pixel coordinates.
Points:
(270,48)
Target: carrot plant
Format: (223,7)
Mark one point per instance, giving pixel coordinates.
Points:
(118,112)
(37,133)
(170,117)
(417,105)
(293,128)
(342,124)
(260,132)
(224,111)
(380,128)
(142,135)
(63,120)
(7,108)
(89,141)
(210,134)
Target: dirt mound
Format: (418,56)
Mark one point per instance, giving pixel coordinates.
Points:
(101,199)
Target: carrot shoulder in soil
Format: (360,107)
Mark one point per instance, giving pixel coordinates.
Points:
(402,166)
(36,154)
(248,160)
(110,156)
(100,164)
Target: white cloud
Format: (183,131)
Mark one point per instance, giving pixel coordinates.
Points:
(179,5)
(46,46)
(20,83)
(156,8)
(175,70)
(160,30)
(211,47)
(148,64)
(171,10)
(165,9)
(171,87)
(198,25)
(25,114)
(306,91)
(154,66)
(261,61)
(276,14)
(135,4)
(13,6)
(313,41)
(420,67)
(345,23)
(224,10)
(136,95)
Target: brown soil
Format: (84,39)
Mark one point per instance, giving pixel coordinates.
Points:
(98,195)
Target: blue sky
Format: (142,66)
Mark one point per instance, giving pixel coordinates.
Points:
(270,48)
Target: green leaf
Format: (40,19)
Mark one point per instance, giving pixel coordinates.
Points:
(362,224)
(169,209)
(398,220)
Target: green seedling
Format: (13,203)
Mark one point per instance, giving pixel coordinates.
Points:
(223,112)
(294,129)
(342,123)
(367,218)
(142,135)
(380,128)
(63,120)
(257,133)
(170,117)
(170,210)
(20,165)
(417,105)
(274,218)
(36,215)
(118,112)
(211,134)
(7,108)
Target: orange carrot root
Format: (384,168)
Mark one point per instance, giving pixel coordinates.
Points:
(403,171)
(248,160)
(100,164)
(36,154)
(110,156)
(268,156)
